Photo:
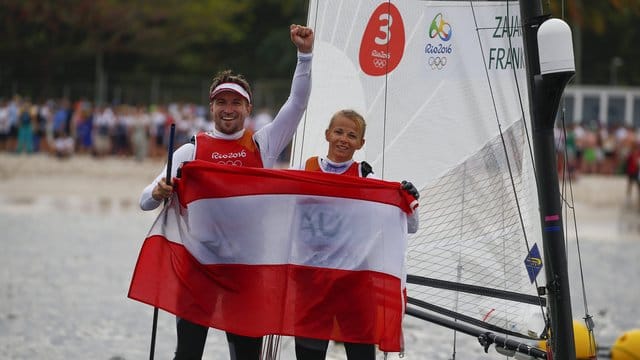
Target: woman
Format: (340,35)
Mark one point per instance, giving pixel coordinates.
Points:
(345,136)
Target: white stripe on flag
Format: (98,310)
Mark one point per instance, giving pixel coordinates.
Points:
(321,231)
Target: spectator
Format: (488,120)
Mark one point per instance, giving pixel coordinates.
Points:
(632,170)
(5,126)
(25,129)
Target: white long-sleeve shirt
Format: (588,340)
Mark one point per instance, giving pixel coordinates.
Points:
(271,139)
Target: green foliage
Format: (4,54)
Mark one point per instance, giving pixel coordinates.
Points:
(46,41)
(605,30)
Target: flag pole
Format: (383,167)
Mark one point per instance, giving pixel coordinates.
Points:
(167,179)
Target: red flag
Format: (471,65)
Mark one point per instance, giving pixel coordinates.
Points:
(257,251)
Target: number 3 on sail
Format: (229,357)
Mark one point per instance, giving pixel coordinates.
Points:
(383,41)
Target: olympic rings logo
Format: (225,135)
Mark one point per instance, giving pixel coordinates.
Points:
(230,162)
(437,62)
(379,63)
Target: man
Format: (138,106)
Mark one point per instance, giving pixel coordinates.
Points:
(229,143)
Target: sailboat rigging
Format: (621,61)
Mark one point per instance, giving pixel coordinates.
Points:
(449,89)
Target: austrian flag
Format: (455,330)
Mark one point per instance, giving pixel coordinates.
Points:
(257,251)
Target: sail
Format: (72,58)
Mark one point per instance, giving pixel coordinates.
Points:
(442,87)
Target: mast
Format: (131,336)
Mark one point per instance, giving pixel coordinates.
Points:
(545,91)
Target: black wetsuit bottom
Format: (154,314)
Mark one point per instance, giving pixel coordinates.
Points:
(192,338)
(314,349)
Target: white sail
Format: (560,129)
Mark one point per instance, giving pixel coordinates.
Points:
(442,87)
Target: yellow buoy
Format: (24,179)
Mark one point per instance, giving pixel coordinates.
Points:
(627,346)
(584,342)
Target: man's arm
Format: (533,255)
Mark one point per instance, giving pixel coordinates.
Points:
(147,199)
(274,137)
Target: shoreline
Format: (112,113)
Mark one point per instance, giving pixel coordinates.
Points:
(80,175)
(602,210)
(42,183)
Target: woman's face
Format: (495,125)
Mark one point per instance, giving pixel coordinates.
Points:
(344,139)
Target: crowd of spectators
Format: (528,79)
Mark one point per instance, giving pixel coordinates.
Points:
(596,149)
(63,128)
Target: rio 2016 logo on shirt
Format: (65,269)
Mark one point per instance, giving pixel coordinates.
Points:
(382,44)
(437,51)
(229,158)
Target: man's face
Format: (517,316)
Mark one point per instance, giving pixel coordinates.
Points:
(229,109)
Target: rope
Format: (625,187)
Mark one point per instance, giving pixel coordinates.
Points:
(570,208)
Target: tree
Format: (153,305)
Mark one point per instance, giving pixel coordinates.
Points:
(605,35)
(47,43)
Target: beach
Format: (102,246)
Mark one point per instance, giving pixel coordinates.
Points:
(603,210)
(37,176)
(72,231)
(602,206)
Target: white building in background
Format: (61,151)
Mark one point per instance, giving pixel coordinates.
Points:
(604,105)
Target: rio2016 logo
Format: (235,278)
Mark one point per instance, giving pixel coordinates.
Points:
(440,28)
(382,44)
(437,51)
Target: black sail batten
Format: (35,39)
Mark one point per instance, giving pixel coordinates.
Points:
(485,338)
(475,289)
(467,319)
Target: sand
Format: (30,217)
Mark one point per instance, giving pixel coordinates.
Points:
(602,208)
(86,176)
